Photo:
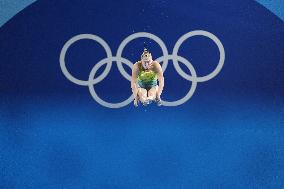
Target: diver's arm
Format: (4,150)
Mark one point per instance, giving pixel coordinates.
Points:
(160,76)
(134,80)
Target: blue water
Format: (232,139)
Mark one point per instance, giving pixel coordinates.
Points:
(64,142)
(230,134)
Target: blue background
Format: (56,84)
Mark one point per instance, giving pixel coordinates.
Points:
(228,135)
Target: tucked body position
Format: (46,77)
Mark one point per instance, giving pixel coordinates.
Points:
(146,74)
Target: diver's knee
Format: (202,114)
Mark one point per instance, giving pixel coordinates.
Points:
(142,92)
(157,88)
(151,93)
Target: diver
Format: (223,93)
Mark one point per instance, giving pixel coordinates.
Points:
(144,82)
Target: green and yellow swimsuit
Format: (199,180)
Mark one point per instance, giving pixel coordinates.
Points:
(147,78)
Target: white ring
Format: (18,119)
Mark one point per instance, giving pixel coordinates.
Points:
(75,39)
(91,84)
(132,37)
(165,58)
(193,85)
(206,34)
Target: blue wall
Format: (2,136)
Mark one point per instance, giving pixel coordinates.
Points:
(10,8)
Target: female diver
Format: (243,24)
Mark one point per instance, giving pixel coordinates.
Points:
(144,83)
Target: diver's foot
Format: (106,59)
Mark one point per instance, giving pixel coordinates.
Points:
(150,100)
(159,102)
(135,103)
(145,102)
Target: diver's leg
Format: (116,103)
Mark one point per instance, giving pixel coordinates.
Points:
(152,93)
(142,94)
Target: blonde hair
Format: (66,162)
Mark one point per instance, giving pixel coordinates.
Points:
(145,51)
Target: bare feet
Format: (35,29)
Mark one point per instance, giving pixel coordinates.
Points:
(135,102)
(158,100)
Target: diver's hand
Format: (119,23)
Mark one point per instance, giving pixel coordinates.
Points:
(135,102)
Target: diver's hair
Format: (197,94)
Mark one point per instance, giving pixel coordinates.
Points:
(145,51)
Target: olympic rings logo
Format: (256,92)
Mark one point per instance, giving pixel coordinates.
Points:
(119,60)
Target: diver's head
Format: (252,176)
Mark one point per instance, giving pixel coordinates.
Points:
(146,59)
